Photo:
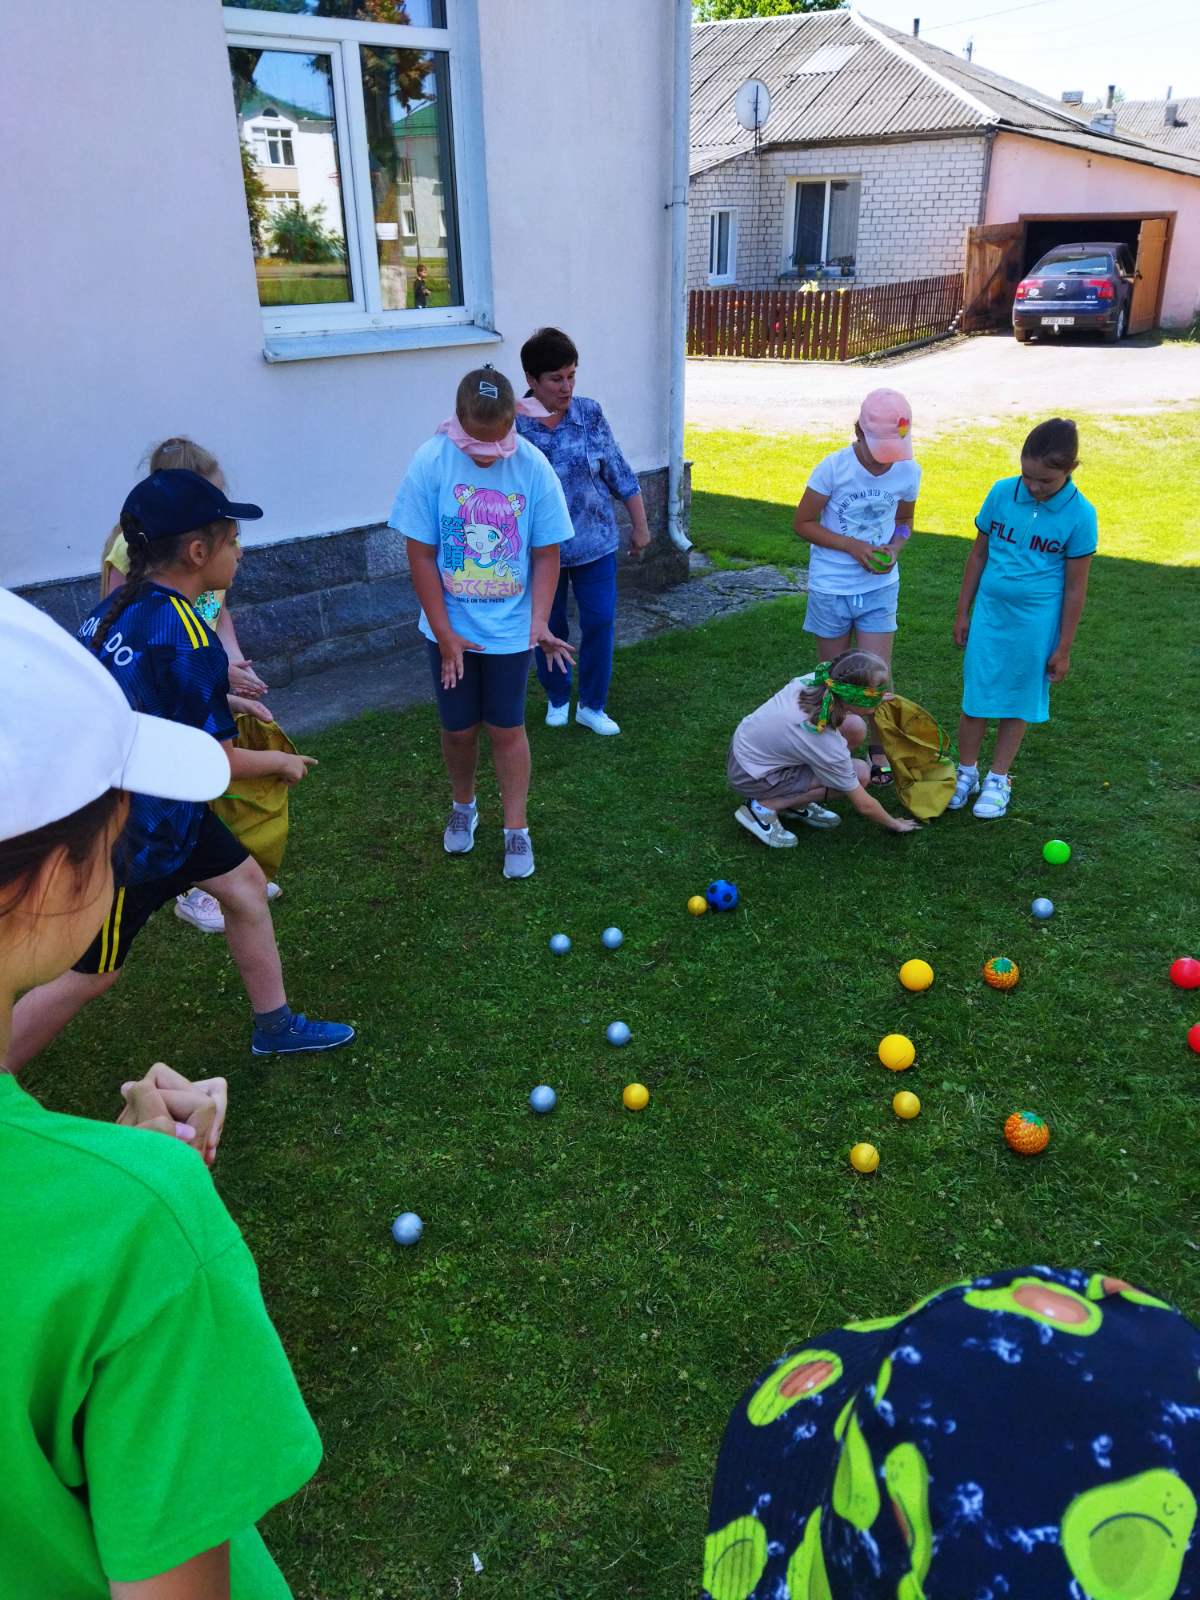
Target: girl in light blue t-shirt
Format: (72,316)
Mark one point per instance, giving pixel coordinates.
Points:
(484,515)
(1027,576)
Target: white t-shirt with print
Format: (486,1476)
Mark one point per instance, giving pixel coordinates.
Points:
(484,521)
(862,506)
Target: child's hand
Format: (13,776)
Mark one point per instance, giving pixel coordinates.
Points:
(865,555)
(558,652)
(962,626)
(904,825)
(1059,665)
(244,680)
(195,1112)
(883,558)
(452,647)
(239,705)
(294,769)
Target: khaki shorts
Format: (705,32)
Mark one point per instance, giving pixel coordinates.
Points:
(780,784)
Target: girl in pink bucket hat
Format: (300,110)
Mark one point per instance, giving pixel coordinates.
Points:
(856,513)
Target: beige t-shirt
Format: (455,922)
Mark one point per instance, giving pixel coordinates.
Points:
(778,735)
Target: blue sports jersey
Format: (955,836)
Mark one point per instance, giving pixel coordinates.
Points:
(170,665)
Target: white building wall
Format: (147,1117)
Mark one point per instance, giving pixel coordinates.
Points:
(917,201)
(131,307)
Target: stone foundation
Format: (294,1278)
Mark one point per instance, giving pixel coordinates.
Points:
(303,605)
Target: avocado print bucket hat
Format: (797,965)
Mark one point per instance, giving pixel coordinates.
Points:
(1029,1435)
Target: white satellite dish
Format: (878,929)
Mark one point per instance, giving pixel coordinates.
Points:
(752,104)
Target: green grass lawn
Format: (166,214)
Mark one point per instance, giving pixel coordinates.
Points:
(545,1378)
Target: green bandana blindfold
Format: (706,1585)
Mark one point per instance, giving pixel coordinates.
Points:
(865,697)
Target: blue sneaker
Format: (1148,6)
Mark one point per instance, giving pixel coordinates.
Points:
(300,1035)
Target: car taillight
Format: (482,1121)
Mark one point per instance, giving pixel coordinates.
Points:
(1022,289)
(1104,289)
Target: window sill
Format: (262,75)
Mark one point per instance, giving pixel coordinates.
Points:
(374,341)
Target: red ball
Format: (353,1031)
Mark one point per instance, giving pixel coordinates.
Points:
(1185,973)
(1194,1037)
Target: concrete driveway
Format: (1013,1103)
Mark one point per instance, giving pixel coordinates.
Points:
(983,379)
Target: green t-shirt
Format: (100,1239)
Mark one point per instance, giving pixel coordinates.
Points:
(147,1410)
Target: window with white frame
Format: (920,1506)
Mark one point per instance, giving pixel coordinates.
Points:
(722,246)
(361,155)
(824,234)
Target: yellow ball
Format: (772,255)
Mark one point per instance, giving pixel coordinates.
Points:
(636,1096)
(896,1052)
(697,905)
(864,1158)
(905,1105)
(916,975)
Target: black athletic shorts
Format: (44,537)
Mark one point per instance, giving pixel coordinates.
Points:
(216,852)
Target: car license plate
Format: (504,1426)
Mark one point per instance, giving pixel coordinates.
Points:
(1058,322)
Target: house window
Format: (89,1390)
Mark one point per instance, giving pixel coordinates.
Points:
(273,145)
(381,176)
(722,246)
(825,225)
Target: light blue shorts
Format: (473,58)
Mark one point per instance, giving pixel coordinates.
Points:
(829,616)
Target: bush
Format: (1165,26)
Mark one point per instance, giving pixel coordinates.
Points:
(300,234)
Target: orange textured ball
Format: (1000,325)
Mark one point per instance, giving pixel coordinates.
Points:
(1000,972)
(1026,1133)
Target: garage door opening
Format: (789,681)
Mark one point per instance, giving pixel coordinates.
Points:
(1000,254)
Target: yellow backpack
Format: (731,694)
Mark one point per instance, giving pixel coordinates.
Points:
(256,811)
(918,748)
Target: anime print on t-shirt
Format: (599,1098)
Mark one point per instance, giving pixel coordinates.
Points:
(481,547)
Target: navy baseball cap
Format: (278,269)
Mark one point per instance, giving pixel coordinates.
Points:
(175,501)
(1029,1435)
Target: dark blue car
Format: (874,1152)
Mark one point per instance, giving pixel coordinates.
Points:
(1076,288)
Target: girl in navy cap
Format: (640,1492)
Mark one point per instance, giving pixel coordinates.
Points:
(182,537)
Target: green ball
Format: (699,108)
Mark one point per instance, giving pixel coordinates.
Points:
(1056,851)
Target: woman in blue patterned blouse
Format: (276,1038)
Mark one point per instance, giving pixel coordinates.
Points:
(577,441)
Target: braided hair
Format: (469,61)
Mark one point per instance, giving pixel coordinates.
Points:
(145,559)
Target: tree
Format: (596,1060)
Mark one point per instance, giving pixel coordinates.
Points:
(728,10)
(298,233)
(257,209)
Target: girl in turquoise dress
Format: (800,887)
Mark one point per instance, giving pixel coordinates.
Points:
(1027,576)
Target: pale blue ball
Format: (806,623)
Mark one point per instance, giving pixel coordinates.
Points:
(617,1033)
(1042,908)
(612,938)
(543,1098)
(559,944)
(407,1228)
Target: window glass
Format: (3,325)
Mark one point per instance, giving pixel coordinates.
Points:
(1075,265)
(292,179)
(718,245)
(810,224)
(843,222)
(403,13)
(407,104)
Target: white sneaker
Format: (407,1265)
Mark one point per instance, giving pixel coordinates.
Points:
(597,721)
(201,910)
(817,816)
(966,785)
(772,833)
(993,802)
(518,854)
(273,892)
(558,716)
(459,836)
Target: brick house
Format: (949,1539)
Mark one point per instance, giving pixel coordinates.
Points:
(880,153)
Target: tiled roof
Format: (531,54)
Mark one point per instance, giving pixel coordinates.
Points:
(833,76)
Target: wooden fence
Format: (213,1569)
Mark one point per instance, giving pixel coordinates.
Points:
(819,324)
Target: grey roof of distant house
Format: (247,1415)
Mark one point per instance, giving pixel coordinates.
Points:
(891,86)
(1144,119)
